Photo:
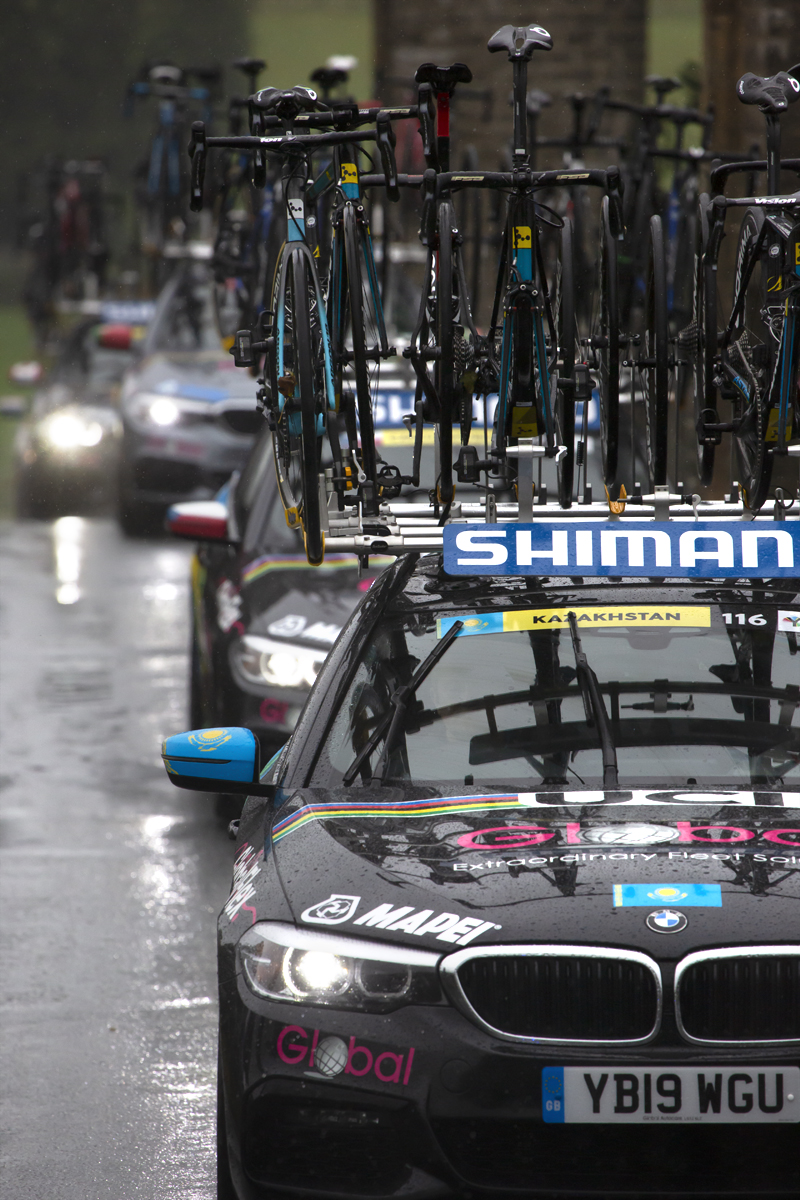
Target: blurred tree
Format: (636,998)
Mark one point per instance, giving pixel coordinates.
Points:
(64,67)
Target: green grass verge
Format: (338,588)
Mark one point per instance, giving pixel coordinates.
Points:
(16,344)
(674,39)
(297,37)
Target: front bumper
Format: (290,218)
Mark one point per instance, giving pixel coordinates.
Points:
(166,467)
(420,1103)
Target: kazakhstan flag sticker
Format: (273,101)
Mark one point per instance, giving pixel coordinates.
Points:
(676,895)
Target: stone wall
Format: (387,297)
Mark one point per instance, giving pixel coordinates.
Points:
(739,36)
(595,43)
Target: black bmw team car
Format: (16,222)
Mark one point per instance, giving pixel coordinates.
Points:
(517,910)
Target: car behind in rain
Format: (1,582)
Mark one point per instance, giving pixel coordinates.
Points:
(189,417)
(66,451)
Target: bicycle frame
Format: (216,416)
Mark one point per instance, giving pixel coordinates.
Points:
(300,239)
(777,229)
(528,394)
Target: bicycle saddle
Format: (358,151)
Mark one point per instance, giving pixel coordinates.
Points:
(443,79)
(772,95)
(165,73)
(328,77)
(520,41)
(286,104)
(250,66)
(662,85)
(536,100)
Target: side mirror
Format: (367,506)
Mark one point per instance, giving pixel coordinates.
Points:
(115,337)
(215,760)
(199,520)
(26,372)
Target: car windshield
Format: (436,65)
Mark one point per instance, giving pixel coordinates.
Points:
(696,695)
(185,318)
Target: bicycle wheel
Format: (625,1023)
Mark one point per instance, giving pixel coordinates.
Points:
(752,356)
(655,344)
(704,320)
(445,321)
(364,308)
(297,440)
(606,341)
(564,414)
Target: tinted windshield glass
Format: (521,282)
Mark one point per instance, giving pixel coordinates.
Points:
(186,316)
(696,695)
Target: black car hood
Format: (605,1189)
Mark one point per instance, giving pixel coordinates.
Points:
(517,869)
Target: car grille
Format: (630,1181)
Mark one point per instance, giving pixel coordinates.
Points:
(740,997)
(243,420)
(580,996)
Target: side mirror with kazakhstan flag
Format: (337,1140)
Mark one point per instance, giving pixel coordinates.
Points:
(216,760)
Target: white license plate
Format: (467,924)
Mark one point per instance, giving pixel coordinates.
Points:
(699,1095)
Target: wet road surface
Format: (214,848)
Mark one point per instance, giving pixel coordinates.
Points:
(110,878)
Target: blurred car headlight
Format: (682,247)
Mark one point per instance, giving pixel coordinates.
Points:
(149,408)
(68,431)
(280,962)
(259,660)
(164,411)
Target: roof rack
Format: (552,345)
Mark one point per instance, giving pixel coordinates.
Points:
(402,528)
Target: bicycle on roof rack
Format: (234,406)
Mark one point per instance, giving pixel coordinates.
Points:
(162,177)
(530,352)
(303,364)
(242,218)
(752,362)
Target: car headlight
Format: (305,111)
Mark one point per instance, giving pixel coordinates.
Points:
(280,962)
(162,411)
(261,661)
(68,431)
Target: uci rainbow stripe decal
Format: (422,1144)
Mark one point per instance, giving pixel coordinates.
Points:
(441,807)
(260,566)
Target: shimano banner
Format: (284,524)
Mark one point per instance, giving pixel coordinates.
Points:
(669,549)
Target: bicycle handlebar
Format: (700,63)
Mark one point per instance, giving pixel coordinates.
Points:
(383,135)
(720,174)
(345,117)
(665,112)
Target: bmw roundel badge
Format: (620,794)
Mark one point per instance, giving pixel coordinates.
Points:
(666,920)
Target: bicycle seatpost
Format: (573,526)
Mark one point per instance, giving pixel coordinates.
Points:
(520,42)
(443,82)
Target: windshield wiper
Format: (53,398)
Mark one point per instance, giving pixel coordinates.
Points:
(594,707)
(398,703)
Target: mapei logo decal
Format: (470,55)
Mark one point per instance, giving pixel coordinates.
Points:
(666,549)
(425,922)
(327,1057)
(333,911)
